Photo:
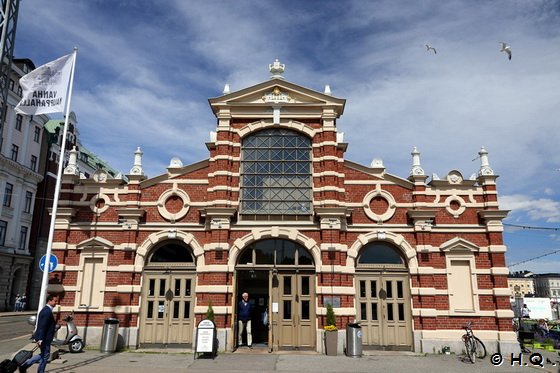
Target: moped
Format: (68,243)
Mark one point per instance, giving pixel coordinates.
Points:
(72,339)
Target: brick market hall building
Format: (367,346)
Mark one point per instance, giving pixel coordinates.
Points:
(278,212)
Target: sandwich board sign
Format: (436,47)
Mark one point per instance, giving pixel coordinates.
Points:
(206,338)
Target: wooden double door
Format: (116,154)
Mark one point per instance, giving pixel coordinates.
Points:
(294,325)
(289,298)
(384,308)
(167,309)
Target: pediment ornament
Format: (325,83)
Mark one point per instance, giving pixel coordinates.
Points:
(277,96)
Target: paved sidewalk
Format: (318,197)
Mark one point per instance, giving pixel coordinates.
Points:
(244,361)
(262,362)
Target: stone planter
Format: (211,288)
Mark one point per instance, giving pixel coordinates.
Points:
(331,343)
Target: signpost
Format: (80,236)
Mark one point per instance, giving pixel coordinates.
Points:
(53,262)
(206,339)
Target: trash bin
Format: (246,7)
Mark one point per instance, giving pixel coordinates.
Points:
(110,335)
(353,340)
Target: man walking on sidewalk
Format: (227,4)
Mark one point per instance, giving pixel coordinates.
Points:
(44,334)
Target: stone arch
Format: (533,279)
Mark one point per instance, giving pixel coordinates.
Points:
(274,232)
(161,236)
(284,124)
(409,253)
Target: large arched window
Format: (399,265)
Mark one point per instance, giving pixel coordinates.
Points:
(277,252)
(380,253)
(171,252)
(276,176)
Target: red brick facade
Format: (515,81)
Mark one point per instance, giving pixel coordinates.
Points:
(353,205)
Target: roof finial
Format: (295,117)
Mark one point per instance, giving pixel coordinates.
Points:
(416,167)
(276,69)
(484,165)
(137,167)
(328,90)
(72,167)
(226,89)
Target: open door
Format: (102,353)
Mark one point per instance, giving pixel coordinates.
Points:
(256,284)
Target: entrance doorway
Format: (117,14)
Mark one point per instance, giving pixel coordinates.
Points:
(384,311)
(256,284)
(383,298)
(167,306)
(167,300)
(279,276)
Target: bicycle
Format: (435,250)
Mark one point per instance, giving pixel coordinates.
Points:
(473,346)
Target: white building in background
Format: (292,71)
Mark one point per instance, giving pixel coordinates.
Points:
(547,285)
(521,284)
(20,148)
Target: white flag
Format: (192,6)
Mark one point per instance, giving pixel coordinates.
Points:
(45,89)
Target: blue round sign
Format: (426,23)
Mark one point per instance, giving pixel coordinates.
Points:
(52,263)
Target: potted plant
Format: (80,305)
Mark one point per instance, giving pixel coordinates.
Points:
(331,332)
(210,312)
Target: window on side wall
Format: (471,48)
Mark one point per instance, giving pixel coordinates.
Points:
(19,121)
(8,190)
(92,282)
(3,229)
(461,284)
(28,202)
(23,238)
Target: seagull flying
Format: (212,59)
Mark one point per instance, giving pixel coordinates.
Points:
(430,48)
(506,48)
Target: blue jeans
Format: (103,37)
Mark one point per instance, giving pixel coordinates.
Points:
(42,359)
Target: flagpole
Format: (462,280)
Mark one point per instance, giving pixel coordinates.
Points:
(45,281)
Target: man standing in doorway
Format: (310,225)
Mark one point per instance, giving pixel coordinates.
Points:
(244,315)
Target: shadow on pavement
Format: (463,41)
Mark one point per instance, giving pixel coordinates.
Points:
(78,364)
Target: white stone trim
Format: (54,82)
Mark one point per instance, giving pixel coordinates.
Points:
(328,173)
(170,193)
(462,205)
(223,289)
(95,198)
(224,173)
(259,233)
(398,240)
(329,189)
(284,124)
(225,157)
(328,158)
(185,182)
(161,236)
(378,192)
(338,290)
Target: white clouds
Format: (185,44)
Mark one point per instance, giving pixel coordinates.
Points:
(371,53)
(537,209)
(145,71)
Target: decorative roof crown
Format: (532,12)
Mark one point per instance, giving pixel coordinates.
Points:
(276,69)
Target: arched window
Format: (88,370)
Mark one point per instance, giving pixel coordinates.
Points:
(277,252)
(276,176)
(380,253)
(171,252)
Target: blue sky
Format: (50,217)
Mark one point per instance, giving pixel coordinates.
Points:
(146,69)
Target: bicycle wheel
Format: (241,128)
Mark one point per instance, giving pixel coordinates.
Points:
(480,348)
(470,349)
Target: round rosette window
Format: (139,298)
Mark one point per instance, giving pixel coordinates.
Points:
(173,204)
(455,205)
(99,203)
(379,205)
